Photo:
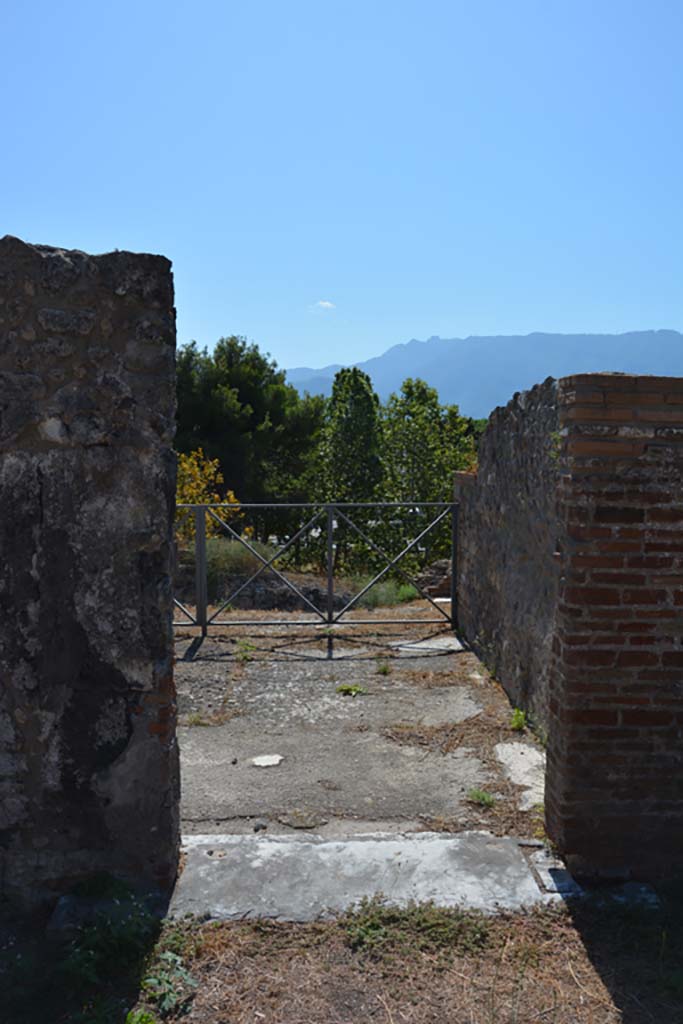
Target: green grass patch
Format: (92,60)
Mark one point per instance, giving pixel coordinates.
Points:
(518,722)
(481,797)
(377,928)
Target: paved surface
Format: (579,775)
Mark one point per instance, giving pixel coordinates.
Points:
(340,770)
(302,878)
(336,762)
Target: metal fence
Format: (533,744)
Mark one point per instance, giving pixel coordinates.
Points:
(323,521)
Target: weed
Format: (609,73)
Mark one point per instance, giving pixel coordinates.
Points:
(169,984)
(555,448)
(383,668)
(518,722)
(481,797)
(384,594)
(351,690)
(376,928)
(245,650)
(141,1017)
(197,719)
(538,823)
(120,939)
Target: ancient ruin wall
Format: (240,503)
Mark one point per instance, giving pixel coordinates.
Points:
(508,535)
(614,788)
(88,759)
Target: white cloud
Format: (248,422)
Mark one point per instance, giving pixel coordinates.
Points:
(324,304)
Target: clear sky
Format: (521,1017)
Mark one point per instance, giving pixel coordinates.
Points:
(331,178)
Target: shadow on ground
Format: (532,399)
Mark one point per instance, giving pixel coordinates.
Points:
(89,970)
(637,952)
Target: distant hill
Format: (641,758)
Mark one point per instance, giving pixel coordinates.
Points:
(481,373)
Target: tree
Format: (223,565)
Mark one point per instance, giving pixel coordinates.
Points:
(199,483)
(236,405)
(424,444)
(350,456)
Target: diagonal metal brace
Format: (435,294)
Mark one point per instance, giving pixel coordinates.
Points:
(392,563)
(267,563)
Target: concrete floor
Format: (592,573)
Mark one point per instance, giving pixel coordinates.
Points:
(304,878)
(360,796)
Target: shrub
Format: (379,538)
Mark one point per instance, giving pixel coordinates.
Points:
(198,483)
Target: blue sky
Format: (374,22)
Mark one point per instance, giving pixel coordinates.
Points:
(422,168)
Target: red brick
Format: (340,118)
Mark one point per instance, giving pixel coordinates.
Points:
(607,514)
(646,717)
(618,577)
(598,561)
(665,515)
(672,659)
(592,595)
(592,716)
(644,595)
(588,532)
(617,449)
(634,398)
(648,561)
(634,659)
(589,657)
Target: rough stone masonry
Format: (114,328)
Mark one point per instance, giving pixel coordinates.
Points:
(88,757)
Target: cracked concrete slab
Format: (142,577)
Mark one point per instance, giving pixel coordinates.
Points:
(303,878)
(524,765)
(361,775)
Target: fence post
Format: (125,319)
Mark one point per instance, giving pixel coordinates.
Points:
(200,579)
(330,563)
(454,567)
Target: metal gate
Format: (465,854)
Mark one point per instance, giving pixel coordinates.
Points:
(323,522)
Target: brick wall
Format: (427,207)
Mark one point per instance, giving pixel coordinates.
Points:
(615,762)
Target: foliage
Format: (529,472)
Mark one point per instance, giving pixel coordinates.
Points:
(351,441)
(518,721)
(141,1017)
(169,984)
(384,594)
(351,690)
(424,444)
(236,405)
(376,928)
(199,480)
(481,797)
(228,558)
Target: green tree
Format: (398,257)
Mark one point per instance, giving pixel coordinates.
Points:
(237,406)
(424,444)
(350,454)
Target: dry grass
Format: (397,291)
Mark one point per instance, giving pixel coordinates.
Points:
(478,735)
(421,966)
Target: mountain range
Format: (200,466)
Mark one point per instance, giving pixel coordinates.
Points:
(479,373)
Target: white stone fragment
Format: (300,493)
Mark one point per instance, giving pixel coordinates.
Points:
(525,766)
(267,760)
(52,429)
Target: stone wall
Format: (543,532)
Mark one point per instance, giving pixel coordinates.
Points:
(508,533)
(88,758)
